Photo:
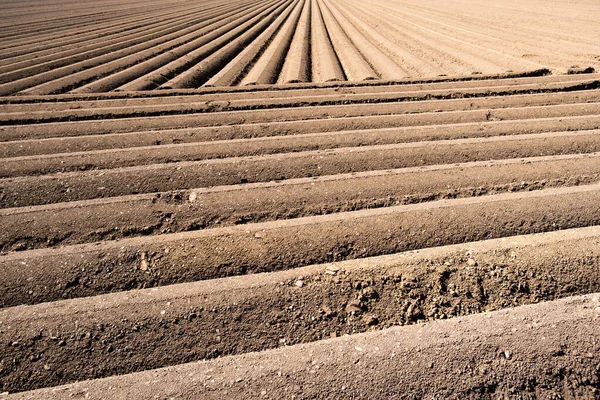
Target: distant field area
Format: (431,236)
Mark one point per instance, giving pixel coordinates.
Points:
(85,47)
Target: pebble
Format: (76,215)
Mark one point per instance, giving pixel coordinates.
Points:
(144,262)
(299,283)
(354,307)
(331,270)
(369,293)
(326,310)
(193,197)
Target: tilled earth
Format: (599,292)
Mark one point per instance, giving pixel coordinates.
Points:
(127,46)
(416,239)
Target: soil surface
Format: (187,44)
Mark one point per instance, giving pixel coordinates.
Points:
(247,239)
(127,46)
(545,350)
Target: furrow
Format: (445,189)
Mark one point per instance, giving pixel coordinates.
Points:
(213,103)
(379,61)
(72,186)
(35,65)
(325,64)
(138,156)
(353,63)
(202,208)
(68,76)
(536,335)
(265,92)
(117,61)
(236,68)
(279,199)
(201,72)
(45,275)
(266,69)
(296,65)
(159,70)
(273,135)
(389,114)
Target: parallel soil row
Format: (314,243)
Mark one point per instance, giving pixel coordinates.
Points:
(542,350)
(136,233)
(185,45)
(61,342)
(190,209)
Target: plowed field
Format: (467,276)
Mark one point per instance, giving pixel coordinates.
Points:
(53,47)
(321,199)
(146,232)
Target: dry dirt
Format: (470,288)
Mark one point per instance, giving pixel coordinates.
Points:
(141,236)
(299,199)
(47,48)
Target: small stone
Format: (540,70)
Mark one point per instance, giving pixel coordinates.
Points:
(414,312)
(369,293)
(259,235)
(331,270)
(144,262)
(238,380)
(370,320)
(354,306)
(471,262)
(333,335)
(326,310)
(62,343)
(299,283)
(46,367)
(193,197)
(507,354)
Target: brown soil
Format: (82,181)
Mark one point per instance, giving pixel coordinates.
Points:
(88,338)
(85,270)
(145,231)
(546,350)
(170,212)
(143,46)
